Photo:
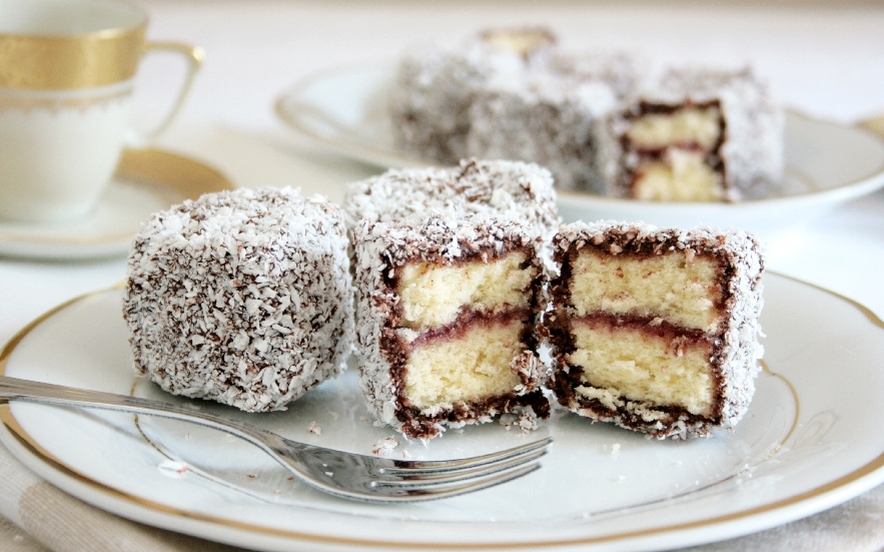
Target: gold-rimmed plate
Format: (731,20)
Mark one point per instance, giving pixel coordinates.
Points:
(812,439)
(146,181)
(827,163)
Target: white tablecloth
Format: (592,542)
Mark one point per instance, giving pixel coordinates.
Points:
(826,61)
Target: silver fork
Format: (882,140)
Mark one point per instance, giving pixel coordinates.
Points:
(343,474)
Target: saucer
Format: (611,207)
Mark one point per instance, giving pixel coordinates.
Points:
(146,181)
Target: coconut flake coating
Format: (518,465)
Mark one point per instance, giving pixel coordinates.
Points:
(508,190)
(243,297)
(554,124)
(737,349)
(568,112)
(432,92)
(555,117)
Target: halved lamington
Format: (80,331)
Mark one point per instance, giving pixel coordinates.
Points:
(446,315)
(450,280)
(656,330)
(697,135)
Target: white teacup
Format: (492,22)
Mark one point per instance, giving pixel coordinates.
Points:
(66,77)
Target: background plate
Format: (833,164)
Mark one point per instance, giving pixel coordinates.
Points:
(826,163)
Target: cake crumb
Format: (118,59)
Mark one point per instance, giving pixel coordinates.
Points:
(527,421)
(314,428)
(385,446)
(506,420)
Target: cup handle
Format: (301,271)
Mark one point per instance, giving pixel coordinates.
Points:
(194,56)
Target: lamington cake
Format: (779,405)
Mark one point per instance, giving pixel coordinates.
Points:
(450,280)
(243,297)
(555,117)
(605,123)
(697,135)
(434,86)
(656,330)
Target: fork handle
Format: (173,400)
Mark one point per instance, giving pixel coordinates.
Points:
(60,395)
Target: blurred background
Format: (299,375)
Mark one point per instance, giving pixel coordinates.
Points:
(823,57)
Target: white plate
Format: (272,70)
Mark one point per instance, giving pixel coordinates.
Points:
(146,181)
(813,438)
(827,163)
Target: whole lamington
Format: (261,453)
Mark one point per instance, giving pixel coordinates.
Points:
(242,297)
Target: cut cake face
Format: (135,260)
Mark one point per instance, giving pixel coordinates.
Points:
(656,330)
(450,280)
(698,135)
(446,314)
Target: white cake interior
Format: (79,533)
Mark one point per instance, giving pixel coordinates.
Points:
(470,363)
(643,367)
(688,126)
(679,175)
(680,172)
(470,367)
(519,41)
(639,361)
(433,295)
(679,287)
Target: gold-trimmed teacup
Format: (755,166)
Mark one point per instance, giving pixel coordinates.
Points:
(67,70)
